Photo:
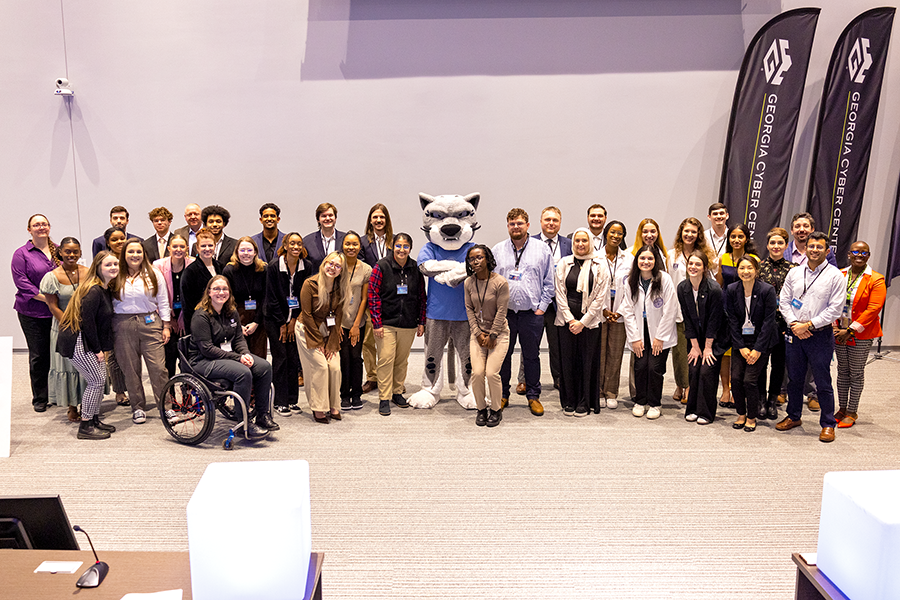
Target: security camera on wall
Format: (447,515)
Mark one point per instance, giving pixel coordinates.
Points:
(62,87)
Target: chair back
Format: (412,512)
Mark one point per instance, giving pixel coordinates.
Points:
(184,343)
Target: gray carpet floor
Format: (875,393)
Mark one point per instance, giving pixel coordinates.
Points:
(424,504)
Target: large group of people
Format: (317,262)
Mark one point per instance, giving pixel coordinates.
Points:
(338,311)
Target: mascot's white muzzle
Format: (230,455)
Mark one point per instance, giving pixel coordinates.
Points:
(450,234)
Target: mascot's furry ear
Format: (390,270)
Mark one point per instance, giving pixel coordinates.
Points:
(425,199)
(473,199)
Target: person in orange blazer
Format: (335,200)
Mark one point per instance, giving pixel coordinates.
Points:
(855,330)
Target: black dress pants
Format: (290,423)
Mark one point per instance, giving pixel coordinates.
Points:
(285,366)
(745,383)
(704,382)
(37,336)
(649,371)
(578,385)
(352,365)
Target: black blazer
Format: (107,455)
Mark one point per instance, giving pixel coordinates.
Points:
(193,283)
(96,325)
(369,251)
(704,319)
(763,303)
(278,287)
(151,250)
(314,250)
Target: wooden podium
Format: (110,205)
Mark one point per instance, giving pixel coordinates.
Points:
(129,572)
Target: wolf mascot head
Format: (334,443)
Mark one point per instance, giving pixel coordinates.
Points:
(449,221)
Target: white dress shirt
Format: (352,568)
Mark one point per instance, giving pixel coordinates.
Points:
(137,300)
(821,293)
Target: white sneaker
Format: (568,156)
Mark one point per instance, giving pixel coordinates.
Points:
(702,421)
(653,412)
(612,403)
(690,418)
(138,417)
(638,410)
(171,417)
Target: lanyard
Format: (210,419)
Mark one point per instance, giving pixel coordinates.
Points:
(807,286)
(518,253)
(718,246)
(327,242)
(850,285)
(380,247)
(613,266)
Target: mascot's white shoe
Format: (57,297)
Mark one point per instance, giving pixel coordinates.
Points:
(467,400)
(423,399)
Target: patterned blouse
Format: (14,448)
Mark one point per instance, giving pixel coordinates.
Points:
(773,272)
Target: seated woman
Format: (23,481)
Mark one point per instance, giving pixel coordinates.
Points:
(218,351)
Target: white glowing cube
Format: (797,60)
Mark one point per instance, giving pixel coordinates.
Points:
(859,533)
(249,531)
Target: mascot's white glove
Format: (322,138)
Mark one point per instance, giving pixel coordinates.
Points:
(448,272)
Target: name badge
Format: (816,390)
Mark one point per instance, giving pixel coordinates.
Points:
(748,329)
(515,275)
(645,315)
(226,346)
(789,339)
(402,290)
(176,305)
(329,320)
(292,302)
(250,304)
(796,303)
(612,294)
(149,318)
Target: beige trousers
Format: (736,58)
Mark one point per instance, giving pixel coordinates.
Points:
(393,356)
(369,357)
(486,363)
(321,377)
(136,339)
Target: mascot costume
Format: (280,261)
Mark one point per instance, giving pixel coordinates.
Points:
(449,223)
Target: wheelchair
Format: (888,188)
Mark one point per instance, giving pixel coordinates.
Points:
(189,403)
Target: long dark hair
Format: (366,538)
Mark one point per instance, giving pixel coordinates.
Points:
(749,245)
(634,277)
(388,227)
(488,257)
(622,245)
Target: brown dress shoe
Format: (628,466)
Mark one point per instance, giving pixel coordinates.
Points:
(827,434)
(73,415)
(847,421)
(300,380)
(369,386)
(520,389)
(504,402)
(537,409)
(787,423)
(814,405)
(782,398)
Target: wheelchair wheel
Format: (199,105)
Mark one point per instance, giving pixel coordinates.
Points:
(187,409)
(226,407)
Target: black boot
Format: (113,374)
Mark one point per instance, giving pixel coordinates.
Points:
(98,424)
(481,417)
(265,421)
(772,409)
(87,431)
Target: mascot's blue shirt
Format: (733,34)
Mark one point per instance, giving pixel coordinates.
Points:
(444,302)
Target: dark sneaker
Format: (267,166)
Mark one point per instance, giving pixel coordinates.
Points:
(284,411)
(356,403)
(345,404)
(384,408)
(481,417)
(400,401)
(295,408)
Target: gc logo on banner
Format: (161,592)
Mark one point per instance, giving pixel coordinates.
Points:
(777,62)
(859,60)
(5,394)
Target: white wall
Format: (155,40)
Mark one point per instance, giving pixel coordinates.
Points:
(362,101)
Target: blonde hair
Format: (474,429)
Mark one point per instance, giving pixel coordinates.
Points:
(324,293)
(258,264)
(71,319)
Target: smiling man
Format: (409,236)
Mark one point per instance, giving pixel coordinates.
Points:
(269,239)
(811,299)
(118,217)
(215,218)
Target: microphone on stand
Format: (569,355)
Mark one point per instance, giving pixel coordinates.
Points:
(96,573)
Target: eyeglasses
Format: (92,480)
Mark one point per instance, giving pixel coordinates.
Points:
(401,247)
(859,253)
(219,290)
(334,265)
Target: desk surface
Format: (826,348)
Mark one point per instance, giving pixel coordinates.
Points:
(140,572)
(816,579)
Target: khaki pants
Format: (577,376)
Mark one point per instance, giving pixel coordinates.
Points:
(393,356)
(368,351)
(136,339)
(321,377)
(486,363)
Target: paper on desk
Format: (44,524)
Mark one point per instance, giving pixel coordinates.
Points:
(167,595)
(59,566)
(809,558)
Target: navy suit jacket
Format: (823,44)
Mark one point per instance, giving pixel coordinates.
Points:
(763,303)
(704,319)
(565,244)
(258,239)
(369,251)
(100,243)
(314,250)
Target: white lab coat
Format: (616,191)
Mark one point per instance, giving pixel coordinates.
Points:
(661,313)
